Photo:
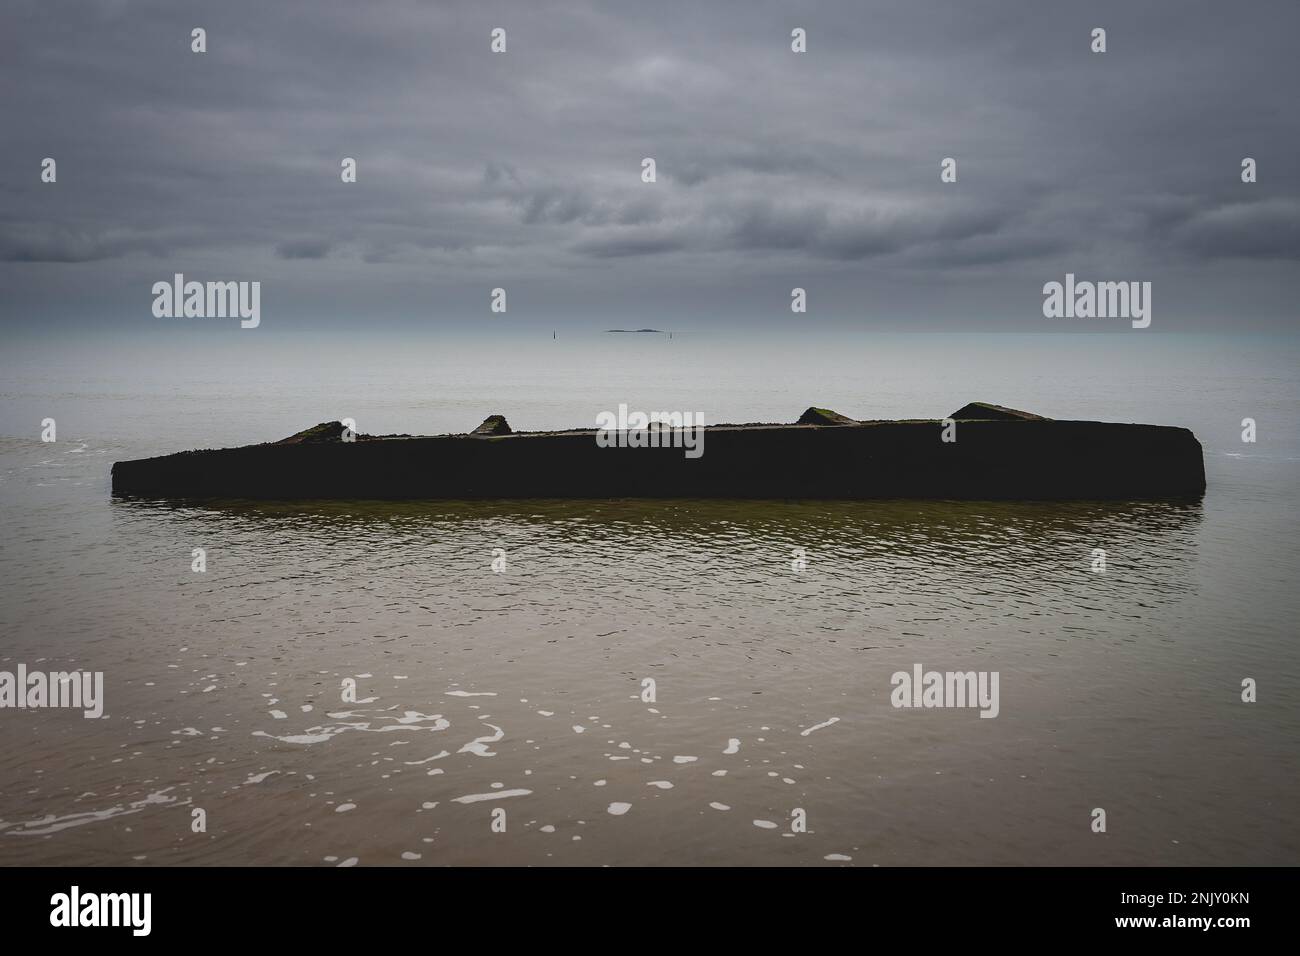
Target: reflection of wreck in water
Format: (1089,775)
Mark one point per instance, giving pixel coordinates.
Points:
(981,452)
(967,562)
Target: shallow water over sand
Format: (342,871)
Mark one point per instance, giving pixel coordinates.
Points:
(522,690)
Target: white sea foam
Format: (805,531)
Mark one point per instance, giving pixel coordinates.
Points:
(316,735)
(323,734)
(415,717)
(416,763)
(824,723)
(478,746)
(52,824)
(494,795)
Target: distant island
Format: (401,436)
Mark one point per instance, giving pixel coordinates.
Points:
(634,331)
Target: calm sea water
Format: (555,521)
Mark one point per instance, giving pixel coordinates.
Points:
(522,691)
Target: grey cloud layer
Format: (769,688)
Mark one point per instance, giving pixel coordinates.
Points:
(481,167)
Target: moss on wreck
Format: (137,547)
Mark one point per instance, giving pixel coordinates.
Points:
(324,432)
(986,412)
(823,416)
(493,425)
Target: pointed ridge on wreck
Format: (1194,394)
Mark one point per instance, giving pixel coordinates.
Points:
(985,412)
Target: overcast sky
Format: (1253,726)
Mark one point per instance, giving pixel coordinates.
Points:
(775,169)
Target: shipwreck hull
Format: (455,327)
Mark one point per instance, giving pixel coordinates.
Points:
(1028,459)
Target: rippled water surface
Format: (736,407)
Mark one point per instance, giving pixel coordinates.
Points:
(522,691)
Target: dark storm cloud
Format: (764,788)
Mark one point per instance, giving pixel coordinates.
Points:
(1263,230)
(303,249)
(477,168)
(622,243)
(813,230)
(35,243)
(871,229)
(56,242)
